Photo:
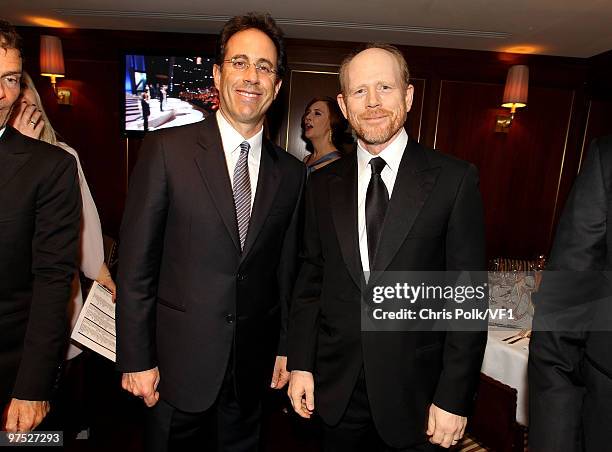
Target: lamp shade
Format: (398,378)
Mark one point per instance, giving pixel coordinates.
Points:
(51,56)
(517,87)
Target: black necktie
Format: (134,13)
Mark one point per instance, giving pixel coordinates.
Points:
(377,199)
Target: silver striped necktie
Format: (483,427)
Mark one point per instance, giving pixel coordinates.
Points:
(242,192)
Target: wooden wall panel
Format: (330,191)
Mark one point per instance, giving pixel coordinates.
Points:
(414,121)
(519,171)
(91,125)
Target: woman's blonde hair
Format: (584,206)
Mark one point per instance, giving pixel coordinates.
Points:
(48,133)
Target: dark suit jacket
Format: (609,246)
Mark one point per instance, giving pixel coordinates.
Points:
(570,371)
(39,228)
(188,299)
(434,222)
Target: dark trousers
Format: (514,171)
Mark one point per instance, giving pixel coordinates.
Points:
(356,431)
(226,426)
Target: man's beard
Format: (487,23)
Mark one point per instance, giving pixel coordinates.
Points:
(379,134)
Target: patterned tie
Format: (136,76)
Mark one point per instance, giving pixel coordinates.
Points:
(242,192)
(377,199)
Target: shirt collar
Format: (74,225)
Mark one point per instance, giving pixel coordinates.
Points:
(232,139)
(392,154)
(2,131)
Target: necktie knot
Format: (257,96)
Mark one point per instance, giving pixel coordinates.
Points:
(377,164)
(244,147)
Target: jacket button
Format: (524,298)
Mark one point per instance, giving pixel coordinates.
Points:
(241,277)
(230,318)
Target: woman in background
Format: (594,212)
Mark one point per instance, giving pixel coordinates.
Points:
(324,130)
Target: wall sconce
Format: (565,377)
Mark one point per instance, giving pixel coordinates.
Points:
(52,65)
(515,95)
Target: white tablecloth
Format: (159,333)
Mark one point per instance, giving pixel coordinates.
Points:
(507,363)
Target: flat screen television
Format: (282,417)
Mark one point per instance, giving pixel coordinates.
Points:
(166,91)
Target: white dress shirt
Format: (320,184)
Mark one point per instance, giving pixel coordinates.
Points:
(392,155)
(231,140)
(2,131)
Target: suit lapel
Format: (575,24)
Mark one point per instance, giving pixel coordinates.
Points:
(210,160)
(415,181)
(13,155)
(268,182)
(343,203)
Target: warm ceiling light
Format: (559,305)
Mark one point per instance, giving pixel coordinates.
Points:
(47,22)
(515,95)
(52,65)
(525,48)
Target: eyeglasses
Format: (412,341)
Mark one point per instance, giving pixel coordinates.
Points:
(242,64)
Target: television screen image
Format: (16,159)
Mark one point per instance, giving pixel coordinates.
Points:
(167,91)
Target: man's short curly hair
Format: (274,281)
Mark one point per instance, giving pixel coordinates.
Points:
(262,22)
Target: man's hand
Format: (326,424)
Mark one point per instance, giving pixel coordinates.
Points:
(301,392)
(28,120)
(142,384)
(444,428)
(280,376)
(24,415)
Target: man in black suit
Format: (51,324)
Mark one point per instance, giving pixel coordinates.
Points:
(392,205)
(570,364)
(208,256)
(39,228)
